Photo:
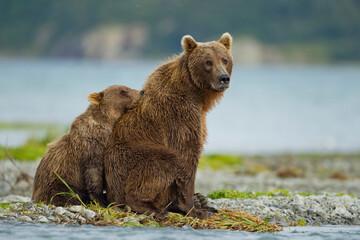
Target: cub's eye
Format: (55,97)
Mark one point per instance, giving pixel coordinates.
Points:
(123,92)
(225,61)
(209,63)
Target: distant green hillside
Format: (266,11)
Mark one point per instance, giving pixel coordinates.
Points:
(154,28)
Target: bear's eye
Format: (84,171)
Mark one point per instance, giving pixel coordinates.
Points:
(209,63)
(225,61)
(123,92)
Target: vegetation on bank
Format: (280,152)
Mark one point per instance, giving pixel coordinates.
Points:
(34,147)
(124,217)
(233,194)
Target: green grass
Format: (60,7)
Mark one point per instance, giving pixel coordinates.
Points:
(32,149)
(301,222)
(4,205)
(232,194)
(217,162)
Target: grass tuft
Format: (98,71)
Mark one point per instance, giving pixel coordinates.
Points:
(232,194)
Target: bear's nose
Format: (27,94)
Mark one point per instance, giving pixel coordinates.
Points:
(224,78)
(142,92)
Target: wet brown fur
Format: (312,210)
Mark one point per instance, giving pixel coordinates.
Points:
(152,155)
(77,157)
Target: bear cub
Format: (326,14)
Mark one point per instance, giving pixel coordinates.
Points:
(77,157)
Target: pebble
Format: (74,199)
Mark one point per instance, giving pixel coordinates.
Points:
(43,219)
(25,219)
(60,211)
(89,214)
(76,208)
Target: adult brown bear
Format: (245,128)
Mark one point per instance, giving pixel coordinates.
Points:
(152,155)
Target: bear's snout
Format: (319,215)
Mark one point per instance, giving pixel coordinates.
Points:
(224,80)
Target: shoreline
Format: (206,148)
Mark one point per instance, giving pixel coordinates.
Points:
(283,211)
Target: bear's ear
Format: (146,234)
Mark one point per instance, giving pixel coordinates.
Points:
(188,43)
(226,40)
(95,98)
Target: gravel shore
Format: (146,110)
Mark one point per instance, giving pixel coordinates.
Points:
(283,211)
(315,210)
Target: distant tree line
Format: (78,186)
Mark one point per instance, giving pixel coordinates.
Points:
(332,23)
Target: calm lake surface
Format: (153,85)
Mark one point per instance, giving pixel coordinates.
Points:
(268,109)
(11,230)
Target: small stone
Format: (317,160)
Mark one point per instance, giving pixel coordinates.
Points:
(316,223)
(298,199)
(60,211)
(43,219)
(25,219)
(89,214)
(70,214)
(81,220)
(76,208)
(342,212)
(51,218)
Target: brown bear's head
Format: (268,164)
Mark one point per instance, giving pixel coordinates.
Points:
(115,100)
(210,64)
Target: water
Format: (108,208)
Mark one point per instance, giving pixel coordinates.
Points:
(11,230)
(268,109)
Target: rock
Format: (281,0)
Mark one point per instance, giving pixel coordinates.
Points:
(298,199)
(70,214)
(43,219)
(60,211)
(89,214)
(342,212)
(76,208)
(15,198)
(316,223)
(51,218)
(25,219)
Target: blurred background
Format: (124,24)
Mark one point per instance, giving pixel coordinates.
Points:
(294,92)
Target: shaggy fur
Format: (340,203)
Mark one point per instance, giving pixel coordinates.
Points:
(152,156)
(77,157)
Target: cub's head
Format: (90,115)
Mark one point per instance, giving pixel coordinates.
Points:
(115,100)
(210,64)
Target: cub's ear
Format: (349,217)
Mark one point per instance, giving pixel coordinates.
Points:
(226,40)
(188,43)
(95,98)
